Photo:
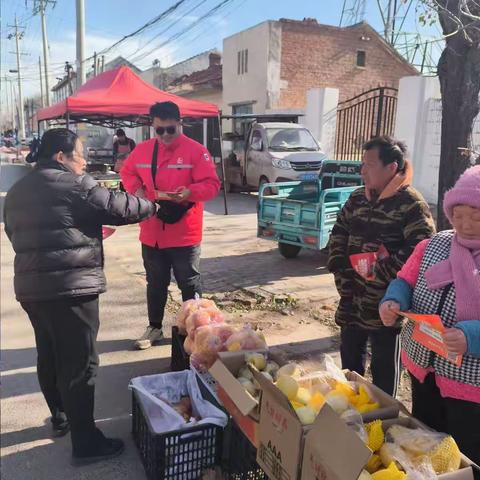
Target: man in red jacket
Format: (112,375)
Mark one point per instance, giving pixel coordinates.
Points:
(185,177)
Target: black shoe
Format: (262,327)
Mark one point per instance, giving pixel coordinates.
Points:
(60,425)
(108,448)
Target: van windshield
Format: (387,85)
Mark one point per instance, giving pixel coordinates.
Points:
(291,139)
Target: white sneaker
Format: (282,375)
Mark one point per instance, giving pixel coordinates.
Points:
(150,336)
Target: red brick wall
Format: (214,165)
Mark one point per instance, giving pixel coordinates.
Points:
(321,56)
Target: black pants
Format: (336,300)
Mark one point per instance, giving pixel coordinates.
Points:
(158,263)
(65,335)
(459,418)
(385,361)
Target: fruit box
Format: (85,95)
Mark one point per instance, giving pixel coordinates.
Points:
(389,407)
(464,473)
(238,403)
(327,443)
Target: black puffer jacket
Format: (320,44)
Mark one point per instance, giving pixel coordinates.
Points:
(54,220)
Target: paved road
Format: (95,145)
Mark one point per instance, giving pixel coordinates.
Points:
(232,257)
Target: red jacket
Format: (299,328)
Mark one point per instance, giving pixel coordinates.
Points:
(183,163)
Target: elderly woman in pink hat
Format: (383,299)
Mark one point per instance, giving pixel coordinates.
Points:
(442,277)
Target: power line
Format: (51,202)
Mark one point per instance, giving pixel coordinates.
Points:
(177,35)
(159,17)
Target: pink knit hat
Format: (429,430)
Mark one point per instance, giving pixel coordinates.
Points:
(465,192)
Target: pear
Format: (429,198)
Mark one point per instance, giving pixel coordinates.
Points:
(306,415)
(288,386)
(257,360)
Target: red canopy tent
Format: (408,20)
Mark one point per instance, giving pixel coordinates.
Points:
(120,95)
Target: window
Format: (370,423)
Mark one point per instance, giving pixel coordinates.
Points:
(242,62)
(285,139)
(361,58)
(241,109)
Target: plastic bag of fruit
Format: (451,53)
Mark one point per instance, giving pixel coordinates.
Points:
(246,339)
(212,338)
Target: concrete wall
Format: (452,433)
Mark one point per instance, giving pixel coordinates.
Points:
(260,85)
(418,123)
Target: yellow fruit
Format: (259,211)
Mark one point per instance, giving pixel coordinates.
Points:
(376,437)
(296,404)
(338,401)
(346,389)
(288,386)
(374,464)
(245,373)
(303,396)
(317,401)
(390,473)
(306,415)
(367,407)
(446,456)
(362,398)
(289,370)
(234,347)
(258,360)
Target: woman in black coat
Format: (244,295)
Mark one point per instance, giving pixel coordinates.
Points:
(54,217)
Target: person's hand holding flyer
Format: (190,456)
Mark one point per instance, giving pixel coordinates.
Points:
(428,331)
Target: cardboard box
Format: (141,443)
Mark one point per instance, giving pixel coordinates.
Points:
(239,404)
(323,447)
(464,473)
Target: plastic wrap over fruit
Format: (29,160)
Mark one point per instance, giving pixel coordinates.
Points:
(211,339)
(198,319)
(187,308)
(246,339)
(202,361)
(188,345)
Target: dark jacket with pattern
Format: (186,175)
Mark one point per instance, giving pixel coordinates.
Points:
(399,222)
(54,220)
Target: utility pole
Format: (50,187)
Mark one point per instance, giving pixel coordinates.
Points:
(40,7)
(94,64)
(42,103)
(68,69)
(21,113)
(81,73)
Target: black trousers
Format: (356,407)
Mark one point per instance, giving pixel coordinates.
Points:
(459,418)
(65,335)
(385,348)
(159,263)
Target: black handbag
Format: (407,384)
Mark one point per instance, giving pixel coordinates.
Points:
(168,211)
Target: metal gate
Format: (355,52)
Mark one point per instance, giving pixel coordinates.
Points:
(368,115)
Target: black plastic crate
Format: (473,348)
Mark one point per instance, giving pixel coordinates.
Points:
(239,456)
(176,455)
(180,360)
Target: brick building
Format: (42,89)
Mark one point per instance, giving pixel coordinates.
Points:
(272,66)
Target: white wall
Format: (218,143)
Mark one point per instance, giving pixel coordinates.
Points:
(418,123)
(261,84)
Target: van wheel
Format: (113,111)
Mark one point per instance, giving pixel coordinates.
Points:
(288,251)
(263,181)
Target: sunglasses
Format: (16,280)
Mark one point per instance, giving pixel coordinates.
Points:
(170,130)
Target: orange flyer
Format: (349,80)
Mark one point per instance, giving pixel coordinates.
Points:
(428,332)
(364,263)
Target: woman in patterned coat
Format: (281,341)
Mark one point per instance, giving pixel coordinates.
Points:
(442,277)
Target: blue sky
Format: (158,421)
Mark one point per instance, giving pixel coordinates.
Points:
(109,20)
